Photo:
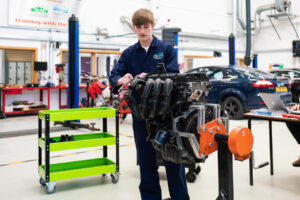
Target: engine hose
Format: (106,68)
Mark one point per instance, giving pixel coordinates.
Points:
(155,100)
(145,98)
(130,99)
(166,97)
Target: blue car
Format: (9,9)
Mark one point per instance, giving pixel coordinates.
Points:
(237,88)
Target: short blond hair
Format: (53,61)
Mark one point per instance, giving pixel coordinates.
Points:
(142,17)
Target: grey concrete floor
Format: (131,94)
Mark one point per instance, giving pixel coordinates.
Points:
(19,177)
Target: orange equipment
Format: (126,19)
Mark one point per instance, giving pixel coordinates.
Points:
(240,140)
(96,88)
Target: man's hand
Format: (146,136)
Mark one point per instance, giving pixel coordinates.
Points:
(296,107)
(126,79)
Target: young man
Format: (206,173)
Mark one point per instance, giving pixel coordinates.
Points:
(137,60)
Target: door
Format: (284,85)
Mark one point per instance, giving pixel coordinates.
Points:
(27,72)
(20,72)
(11,72)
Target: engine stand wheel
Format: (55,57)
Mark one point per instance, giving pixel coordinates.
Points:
(190,177)
(197,170)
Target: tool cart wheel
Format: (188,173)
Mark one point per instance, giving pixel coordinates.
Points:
(190,177)
(50,187)
(42,182)
(114,177)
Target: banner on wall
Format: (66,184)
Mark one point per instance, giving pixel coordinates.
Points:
(49,14)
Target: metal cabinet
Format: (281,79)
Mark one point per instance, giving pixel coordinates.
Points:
(18,72)
(11,73)
(65,74)
(27,72)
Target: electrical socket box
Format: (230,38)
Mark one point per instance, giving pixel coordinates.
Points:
(296,48)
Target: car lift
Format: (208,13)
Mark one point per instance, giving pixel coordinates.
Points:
(73,73)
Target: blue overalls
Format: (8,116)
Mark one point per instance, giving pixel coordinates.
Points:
(135,60)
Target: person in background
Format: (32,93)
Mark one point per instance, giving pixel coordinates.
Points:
(137,60)
(295,130)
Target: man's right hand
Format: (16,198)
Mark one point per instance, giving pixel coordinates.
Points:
(296,107)
(126,79)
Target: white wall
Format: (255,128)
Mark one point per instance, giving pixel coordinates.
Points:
(191,16)
(200,17)
(270,49)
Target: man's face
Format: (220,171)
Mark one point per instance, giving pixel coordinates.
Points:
(144,32)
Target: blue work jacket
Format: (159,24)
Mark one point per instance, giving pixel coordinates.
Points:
(135,60)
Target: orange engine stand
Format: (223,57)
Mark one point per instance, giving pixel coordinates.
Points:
(213,137)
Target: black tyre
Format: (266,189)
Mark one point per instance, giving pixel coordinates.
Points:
(232,108)
(190,177)
(191,127)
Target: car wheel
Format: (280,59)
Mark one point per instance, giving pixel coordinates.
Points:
(232,108)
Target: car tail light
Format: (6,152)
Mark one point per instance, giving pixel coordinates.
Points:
(263,83)
(290,84)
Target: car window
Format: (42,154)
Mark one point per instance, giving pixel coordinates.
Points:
(193,71)
(255,73)
(294,74)
(228,74)
(212,73)
(276,73)
(287,74)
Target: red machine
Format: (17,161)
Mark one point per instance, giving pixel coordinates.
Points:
(119,102)
(124,108)
(94,91)
(60,70)
(96,88)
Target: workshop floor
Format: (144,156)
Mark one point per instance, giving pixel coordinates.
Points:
(19,177)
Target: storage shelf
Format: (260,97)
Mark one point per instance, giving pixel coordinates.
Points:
(77,169)
(77,114)
(80,141)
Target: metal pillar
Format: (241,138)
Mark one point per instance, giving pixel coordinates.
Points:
(254,62)
(171,35)
(73,68)
(231,41)
(225,171)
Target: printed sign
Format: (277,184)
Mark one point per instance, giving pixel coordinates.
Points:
(52,14)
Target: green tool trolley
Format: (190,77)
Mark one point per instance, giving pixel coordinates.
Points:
(49,173)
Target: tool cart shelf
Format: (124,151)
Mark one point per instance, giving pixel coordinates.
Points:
(49,173)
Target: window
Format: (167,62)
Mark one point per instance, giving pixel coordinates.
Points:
(254,73)
(213,73)
(230,74)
